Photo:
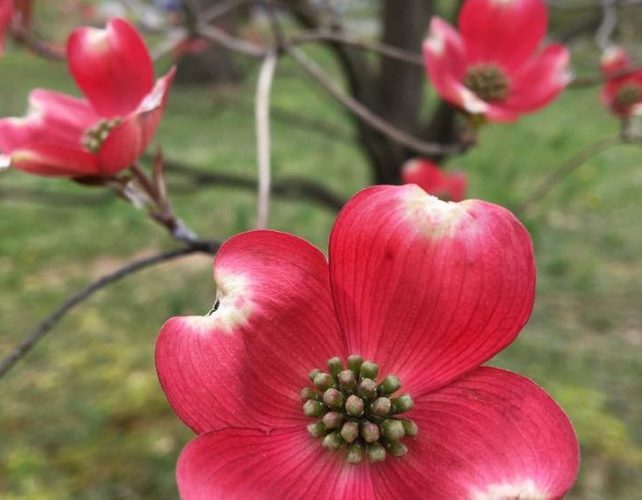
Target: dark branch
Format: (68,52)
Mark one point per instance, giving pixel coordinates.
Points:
(289,188)
(50,321)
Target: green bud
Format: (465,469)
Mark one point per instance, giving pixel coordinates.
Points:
(332,441)
(369,370)
(313,408)
(392,430)
(332,420)
(335,365)
(317,429)
(376,452)
(370,432)
(347,380)
(308,393)
(354,406)
(368,389)
(350,431)
(381,407)
(355,454)
(334,398)
(354,363)
(402,403)
(389,385)
(410,428)
(323,381)
(313,374)
(397,449)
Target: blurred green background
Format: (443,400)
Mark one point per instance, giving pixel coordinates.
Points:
(83,415)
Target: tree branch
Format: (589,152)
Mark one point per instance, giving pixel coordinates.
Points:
(364,114)
(45,326)
(565,168)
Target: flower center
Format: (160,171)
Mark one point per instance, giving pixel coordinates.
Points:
(356,414)
(94,137)
(628,95)
(488,81)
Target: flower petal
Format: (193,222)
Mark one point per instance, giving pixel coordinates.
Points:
(111,66)
(245,363)
(491,434)
(241,463)
(444,56)
(53,118)
(426,288)
(502,31)
(55,161)
(540,80)
(128,141)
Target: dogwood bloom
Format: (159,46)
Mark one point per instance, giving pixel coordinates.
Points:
(622,90)
(494,66)
(360,376)
(449,186)
(107,130)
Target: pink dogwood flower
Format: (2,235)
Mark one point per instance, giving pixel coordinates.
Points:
(494,67)
(622,90)
(449,186)
(106,131)
(360,376)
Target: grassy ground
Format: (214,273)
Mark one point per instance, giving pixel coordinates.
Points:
(83,416)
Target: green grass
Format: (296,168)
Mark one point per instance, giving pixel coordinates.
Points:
(83,414)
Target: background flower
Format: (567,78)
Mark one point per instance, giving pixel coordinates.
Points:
(494,66)
(434,180)
(109,129)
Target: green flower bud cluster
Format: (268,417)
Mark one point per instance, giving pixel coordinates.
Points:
(94,137)
(355,413)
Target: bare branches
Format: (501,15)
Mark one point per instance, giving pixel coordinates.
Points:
(351,40)
(364,114)
(45,326)
(566,168)
(295,188)
(263,150)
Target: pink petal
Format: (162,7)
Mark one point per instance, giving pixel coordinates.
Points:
(246,363)
(540,80)
(491,434)
(249,464)
(426,288)
(53,118)
(55,161)
(127,142)
(614,59)
(434,180)
(111,66)
(505,32)
(445,59)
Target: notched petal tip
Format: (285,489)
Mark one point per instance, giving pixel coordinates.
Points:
(526,489)
(434,217)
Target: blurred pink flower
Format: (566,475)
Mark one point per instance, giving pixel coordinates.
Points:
(106,131)
(494,66)
(450,186)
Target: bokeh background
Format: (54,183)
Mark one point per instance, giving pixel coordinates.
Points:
(83,416)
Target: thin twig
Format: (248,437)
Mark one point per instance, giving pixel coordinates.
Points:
(367,116)
(263,151)
(595,4)
(289,187)
(566,168)
(45,326)
(383,49)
